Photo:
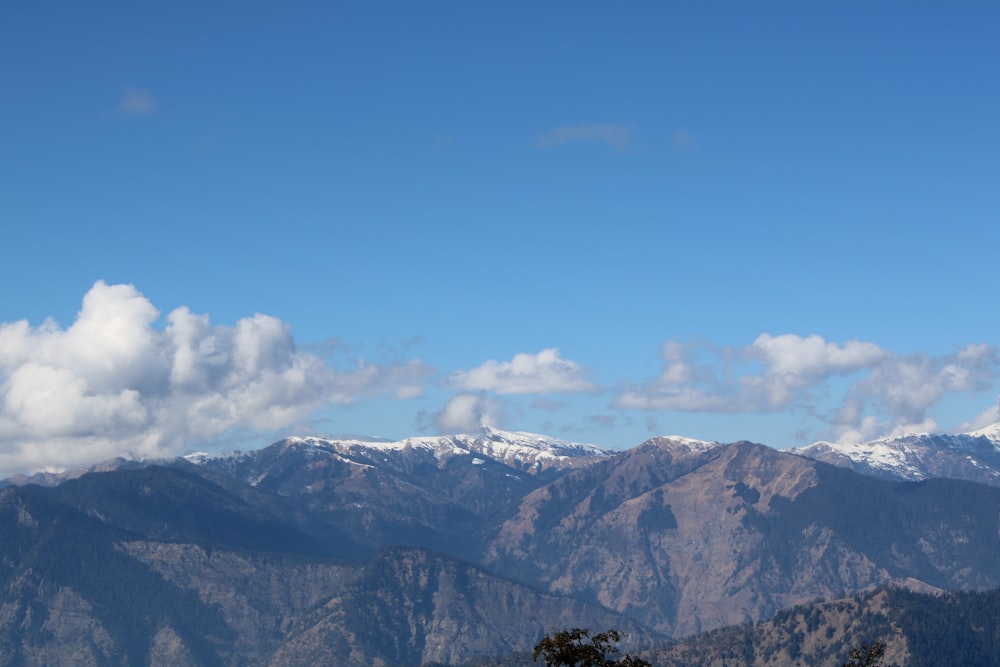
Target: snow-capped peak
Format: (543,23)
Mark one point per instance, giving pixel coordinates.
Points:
(523,449)
(516,448)
(974,456)
(691,443)
(991,433)
(533,441)
(677,442)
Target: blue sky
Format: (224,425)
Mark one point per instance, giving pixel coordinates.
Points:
(775,222)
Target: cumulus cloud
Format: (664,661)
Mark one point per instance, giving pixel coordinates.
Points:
(112,383)
(542,373)
(889,392)
(794,364)
(137,102)
(617,137)
(466,412)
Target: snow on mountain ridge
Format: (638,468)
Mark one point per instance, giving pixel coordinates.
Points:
(917,456)
(516,448)
(691,443)
(200,458)
(991,433)
(877,454)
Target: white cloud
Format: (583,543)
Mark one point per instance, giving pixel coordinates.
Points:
(113,384)
(789,355)
(987,417)
(137,102)
(616,136)
(684,384)
(793,364)
(542,373)
(465,413)
(890,393)
(907,386)
(678,369)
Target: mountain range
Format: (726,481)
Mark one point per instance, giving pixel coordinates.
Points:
(355,552)
(974,456)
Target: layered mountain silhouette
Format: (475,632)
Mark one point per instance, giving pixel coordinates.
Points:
(348,552)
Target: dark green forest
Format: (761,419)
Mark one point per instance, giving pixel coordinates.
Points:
(955,629)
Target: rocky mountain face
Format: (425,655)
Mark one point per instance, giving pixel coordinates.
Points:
(432,492)
(160,566)
(687,539)
(973,456)
(316,551)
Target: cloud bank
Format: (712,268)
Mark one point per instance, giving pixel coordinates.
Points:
(112,383)
(888,392)
(122,381)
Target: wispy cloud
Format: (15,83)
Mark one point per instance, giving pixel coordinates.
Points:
(113,383)
(987,417)
(137,102)
(683,139)
(602,421)
(889,392)
(548,404)
(542,373)
(616,136)
(906,387)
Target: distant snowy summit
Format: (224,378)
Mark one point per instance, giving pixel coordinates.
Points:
(527,452)
(973,456)
(680,443)
(991,433)
(524,450)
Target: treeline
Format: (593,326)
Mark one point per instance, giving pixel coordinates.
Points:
(951,629)
(960,629)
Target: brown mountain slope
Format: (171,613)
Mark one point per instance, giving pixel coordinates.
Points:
(438,610)
(687,539)
(227,567)
(222,582)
